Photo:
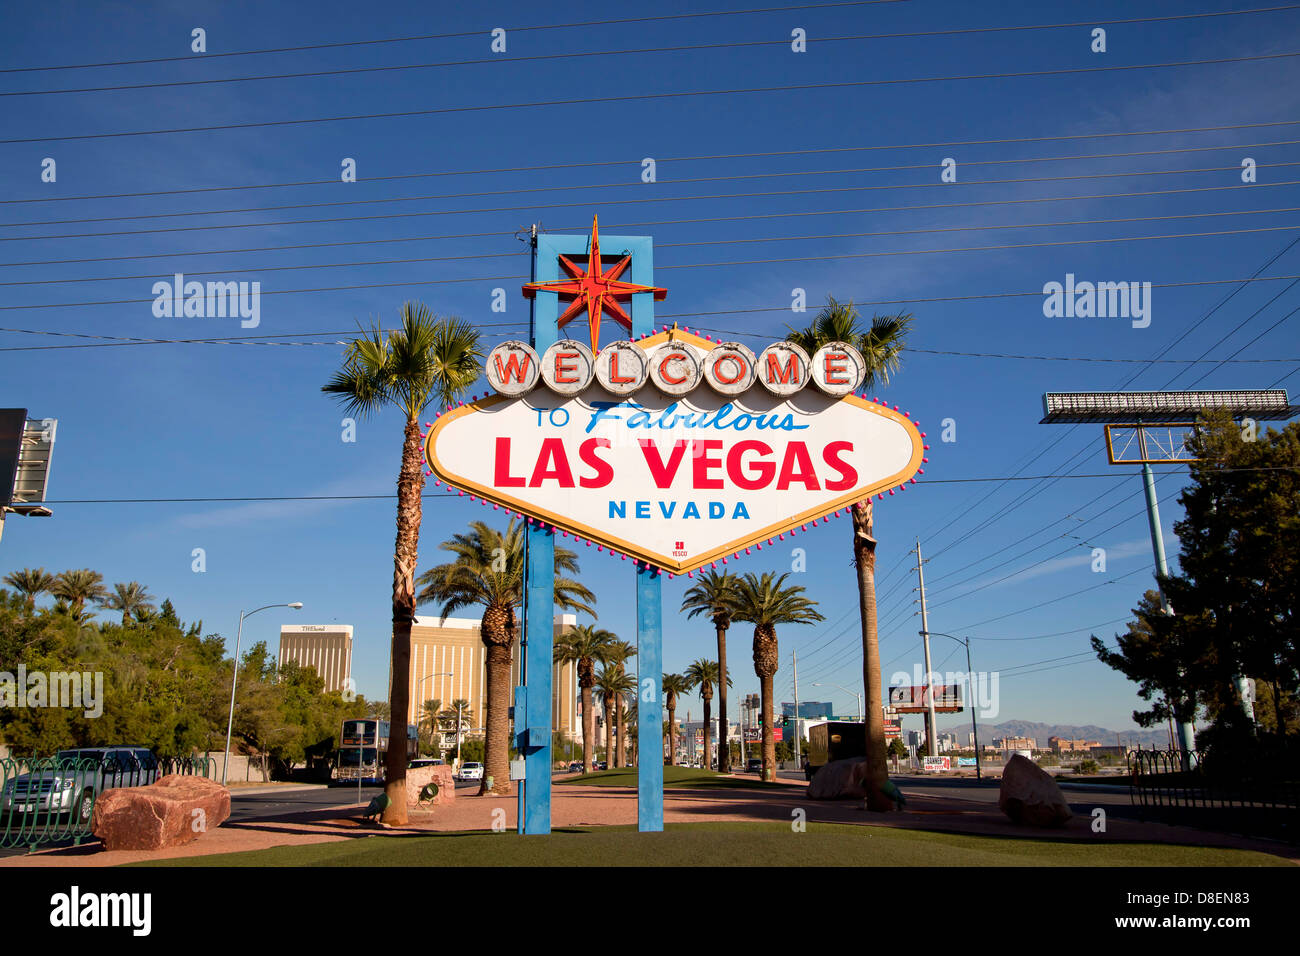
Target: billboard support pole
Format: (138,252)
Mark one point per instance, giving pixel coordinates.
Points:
(931,731)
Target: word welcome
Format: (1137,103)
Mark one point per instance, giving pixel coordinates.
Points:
(78,690)
(568,367)
(213,300)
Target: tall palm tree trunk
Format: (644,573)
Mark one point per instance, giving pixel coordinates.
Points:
(724,748)
(498,635)
(769,736)
(708,733)
(622,733)
(410,486)
(588,732)
(672,734)
(608,706)
(766,662)
(864,557)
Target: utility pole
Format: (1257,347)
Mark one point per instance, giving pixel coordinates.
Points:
(931,743)
(796,706)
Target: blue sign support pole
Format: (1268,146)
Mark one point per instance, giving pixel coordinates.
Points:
(649,618)
(534,741)
(535,736)
(650,713)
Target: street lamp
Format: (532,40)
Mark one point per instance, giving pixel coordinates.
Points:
(847,691)
(970,680)
(418,685)
(234,677)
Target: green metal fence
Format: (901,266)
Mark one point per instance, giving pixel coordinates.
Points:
(46,800)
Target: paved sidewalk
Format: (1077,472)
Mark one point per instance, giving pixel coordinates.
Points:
(604,806)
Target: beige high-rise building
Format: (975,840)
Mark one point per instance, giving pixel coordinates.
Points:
(326,647)
(453,647)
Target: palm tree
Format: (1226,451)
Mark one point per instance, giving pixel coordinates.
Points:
(488,570)
(30,582)
(712,595)
(881,346)
(629,726)
(77,587)
(608,679)
(626,694)
(704,675)
(766,602)
(618,653)
(430,713)
(674,685)
(586,645)
(130,599)
(425,361)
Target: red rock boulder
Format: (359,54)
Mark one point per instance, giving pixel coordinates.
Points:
(169,812)
(1030,796)
(417,779)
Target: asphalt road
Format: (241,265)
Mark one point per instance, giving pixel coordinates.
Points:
(261,806)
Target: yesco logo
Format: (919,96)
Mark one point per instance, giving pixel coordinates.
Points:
(212,300)
(1102,300)
(76,909)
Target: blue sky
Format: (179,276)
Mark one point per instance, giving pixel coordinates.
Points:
(233,421)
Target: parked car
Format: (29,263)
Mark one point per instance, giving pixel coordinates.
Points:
(575,767)
(76,779)
(472,770)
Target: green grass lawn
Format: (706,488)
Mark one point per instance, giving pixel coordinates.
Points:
(729,844)
(675,777)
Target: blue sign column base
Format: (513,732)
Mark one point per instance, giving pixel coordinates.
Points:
(650,712)
(535,741)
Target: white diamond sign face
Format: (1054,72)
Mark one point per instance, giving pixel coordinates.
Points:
(677,481)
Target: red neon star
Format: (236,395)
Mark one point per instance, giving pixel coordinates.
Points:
(593,290)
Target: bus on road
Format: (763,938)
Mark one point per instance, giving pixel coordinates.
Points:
(363,747)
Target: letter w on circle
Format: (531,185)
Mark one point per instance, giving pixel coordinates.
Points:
(662,471)
(516,367)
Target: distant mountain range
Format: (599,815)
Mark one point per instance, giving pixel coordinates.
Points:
(1040,732)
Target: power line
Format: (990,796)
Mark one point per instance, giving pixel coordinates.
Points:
(682,199)
(1034,607)
(1006,508)
(686,48)
(820,150)
(725,264)
(638,97)
(463,34)
(677,245)
(731,177)
(679,315)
